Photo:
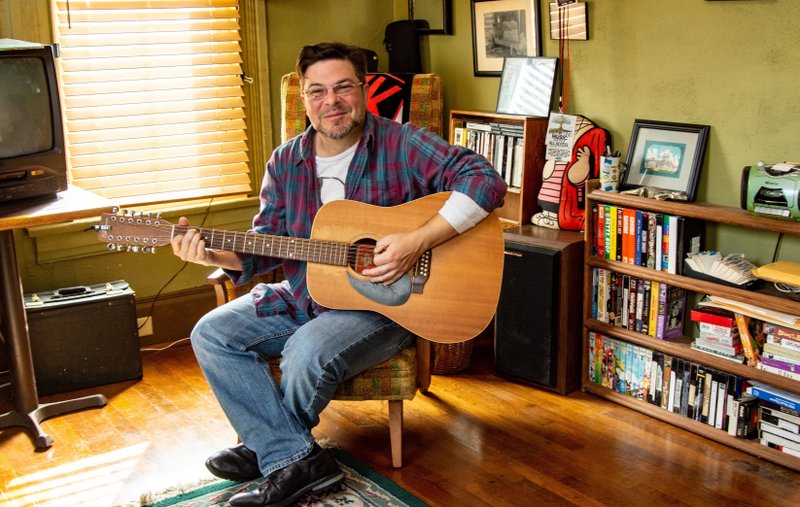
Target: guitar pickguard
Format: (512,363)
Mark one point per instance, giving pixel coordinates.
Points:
(388,295)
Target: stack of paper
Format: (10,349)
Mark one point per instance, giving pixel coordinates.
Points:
(733,268)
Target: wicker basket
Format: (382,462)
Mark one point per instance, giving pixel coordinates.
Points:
(451,357)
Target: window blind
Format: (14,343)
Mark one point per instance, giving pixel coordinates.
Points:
(153,98)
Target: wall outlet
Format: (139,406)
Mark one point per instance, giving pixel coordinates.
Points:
(145,326)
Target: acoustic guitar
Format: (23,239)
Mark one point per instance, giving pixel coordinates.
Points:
(449,296)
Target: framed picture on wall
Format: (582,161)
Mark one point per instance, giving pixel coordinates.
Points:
(526,86)
(665,157)
(503,28)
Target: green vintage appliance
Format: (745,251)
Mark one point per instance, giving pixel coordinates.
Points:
(772,189)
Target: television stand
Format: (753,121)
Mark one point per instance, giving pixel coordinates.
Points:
(69,205)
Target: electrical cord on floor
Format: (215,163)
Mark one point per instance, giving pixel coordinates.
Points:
(159,349)
(166,284)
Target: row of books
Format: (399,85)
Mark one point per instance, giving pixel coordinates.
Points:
(644,238)
(743,408)
(683,387)
(646,306)
(501,143)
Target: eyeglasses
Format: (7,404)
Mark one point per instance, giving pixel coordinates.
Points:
(340,90)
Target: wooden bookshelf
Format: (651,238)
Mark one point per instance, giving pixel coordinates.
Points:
(520,202)
(681,347)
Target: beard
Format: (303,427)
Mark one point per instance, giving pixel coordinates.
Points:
(342,128)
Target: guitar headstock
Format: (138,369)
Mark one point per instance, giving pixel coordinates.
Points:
(130,231)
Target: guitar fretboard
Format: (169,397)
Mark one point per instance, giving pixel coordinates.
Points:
(323,252)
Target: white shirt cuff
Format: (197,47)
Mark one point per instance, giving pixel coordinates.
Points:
(461,212)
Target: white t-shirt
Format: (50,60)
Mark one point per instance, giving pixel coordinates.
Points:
(459,210)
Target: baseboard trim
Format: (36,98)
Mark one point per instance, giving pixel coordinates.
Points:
(174,314)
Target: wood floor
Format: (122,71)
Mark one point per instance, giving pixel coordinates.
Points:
(475,440)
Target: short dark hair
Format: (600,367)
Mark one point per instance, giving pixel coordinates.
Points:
(312,54)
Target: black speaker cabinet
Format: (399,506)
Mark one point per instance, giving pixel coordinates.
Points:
(538,320)
(83,336)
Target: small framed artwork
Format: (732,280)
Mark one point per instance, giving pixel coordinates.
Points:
(666,157)
(526,86)
(433,16)
(503,28)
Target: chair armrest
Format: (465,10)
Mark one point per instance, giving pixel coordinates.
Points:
(218,279)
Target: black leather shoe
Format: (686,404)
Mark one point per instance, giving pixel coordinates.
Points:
(318,472)
(238,464)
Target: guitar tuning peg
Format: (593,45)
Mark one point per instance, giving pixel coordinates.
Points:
(110,246)
(158,216)
(114,209)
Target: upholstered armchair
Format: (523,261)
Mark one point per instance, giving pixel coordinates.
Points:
(409,371)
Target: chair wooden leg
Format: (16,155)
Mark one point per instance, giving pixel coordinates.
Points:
(396,431)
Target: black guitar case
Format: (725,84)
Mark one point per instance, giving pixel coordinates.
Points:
(402,43)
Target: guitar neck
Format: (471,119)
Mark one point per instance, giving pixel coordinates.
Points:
(317,251)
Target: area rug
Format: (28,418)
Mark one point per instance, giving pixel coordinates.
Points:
(362,486)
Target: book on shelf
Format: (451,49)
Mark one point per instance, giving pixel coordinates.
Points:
(790,336)
(779,368)
(713,349)
(782,345)
(749,344)
(721,418)
(712,333)
(744,417)
(780,318)
(774,443)
(674,312)
(714,316)
(775,395)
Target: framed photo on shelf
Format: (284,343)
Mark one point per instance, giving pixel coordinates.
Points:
(666,157)
(526,86)
(503,28)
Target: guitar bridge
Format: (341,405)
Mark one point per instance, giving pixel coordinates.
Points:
(421,273)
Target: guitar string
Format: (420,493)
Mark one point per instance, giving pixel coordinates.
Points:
(310,247)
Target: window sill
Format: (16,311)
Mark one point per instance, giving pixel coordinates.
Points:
(76,239)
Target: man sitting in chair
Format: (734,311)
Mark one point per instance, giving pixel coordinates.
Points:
(346,153)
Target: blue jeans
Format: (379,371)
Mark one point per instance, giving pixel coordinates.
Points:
(233,345)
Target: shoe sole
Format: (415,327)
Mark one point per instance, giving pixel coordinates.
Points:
(321,486)
(234,478)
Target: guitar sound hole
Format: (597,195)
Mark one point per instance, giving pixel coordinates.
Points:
(361,255)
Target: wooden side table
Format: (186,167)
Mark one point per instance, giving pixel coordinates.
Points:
(74,203)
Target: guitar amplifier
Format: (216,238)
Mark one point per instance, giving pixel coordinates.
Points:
(83,336)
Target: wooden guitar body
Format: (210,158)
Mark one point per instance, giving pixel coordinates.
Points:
(460,296)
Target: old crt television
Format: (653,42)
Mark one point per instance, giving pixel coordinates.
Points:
(33,164)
